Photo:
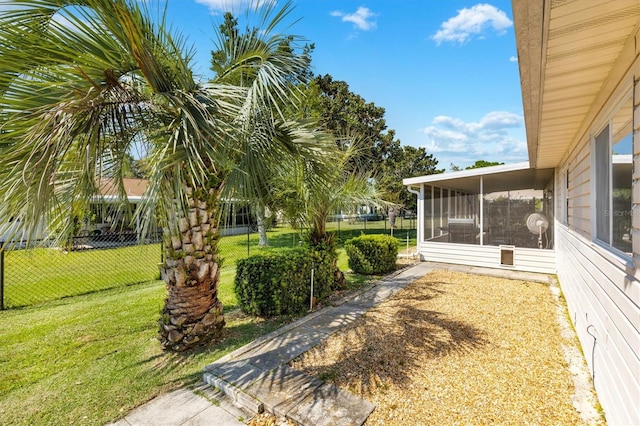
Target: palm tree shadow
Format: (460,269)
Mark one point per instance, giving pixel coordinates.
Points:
(234,336)
(387,344)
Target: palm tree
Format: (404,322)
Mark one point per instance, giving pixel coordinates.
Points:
(307,199)
(242,183)
(83,81)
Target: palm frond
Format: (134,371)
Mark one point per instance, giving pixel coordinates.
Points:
(90,88)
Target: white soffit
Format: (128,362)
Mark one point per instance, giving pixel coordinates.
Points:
(567,51)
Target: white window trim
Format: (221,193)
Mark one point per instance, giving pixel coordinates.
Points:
(606,120)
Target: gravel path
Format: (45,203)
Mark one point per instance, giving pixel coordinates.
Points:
(455,348)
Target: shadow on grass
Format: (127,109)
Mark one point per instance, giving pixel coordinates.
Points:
(239,331)
(384,346)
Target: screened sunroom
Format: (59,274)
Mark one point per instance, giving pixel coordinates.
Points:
(499,216)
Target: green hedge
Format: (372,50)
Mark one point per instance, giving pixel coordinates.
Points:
(372,254)
(280,283)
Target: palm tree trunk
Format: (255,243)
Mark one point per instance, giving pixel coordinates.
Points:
(192,314)
(321,239)
(263,241)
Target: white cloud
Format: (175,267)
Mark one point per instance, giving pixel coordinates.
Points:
(472,22)
(513,59)
(232,5)
(453,140)
(362,18)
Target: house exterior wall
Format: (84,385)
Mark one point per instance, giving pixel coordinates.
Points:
(601,284)
(524,259)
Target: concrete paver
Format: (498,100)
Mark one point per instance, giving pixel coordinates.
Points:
(284,348)
(330,406)
(180,407)
(239,372)
(282,388)
(336,318)
(213,416)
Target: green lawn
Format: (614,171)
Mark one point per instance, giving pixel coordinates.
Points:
(91,359)
(44,274)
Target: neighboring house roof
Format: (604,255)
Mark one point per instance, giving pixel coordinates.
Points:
(567,51)
(134,188)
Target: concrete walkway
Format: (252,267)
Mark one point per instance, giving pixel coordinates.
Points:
(255,377)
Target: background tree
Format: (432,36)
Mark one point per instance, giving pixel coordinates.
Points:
(81,84)
(482,163)
(347,115)
(307,199)
(405,162)
(245,186)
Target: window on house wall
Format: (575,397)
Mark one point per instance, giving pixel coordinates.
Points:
(565,214)
(613,169)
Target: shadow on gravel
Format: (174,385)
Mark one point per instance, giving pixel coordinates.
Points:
(382,346)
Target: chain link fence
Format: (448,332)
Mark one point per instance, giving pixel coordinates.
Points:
(90,263)
(97,262)
(106,261)
(349,226)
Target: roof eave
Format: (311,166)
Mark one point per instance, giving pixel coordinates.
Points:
(529,22)
(491,170)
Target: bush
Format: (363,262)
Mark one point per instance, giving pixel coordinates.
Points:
(280,283)
(372,254)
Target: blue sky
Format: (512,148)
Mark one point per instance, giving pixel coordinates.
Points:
(445,71)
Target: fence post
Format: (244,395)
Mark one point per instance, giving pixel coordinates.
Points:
(1,277)
(162,251)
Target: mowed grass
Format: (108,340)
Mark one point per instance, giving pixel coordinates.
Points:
(44,274)
(91,359)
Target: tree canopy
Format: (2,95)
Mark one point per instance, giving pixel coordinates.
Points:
(405,162)
(348,116)
(482,163)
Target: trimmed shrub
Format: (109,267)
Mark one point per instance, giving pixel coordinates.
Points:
(280,283)
(372,254)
